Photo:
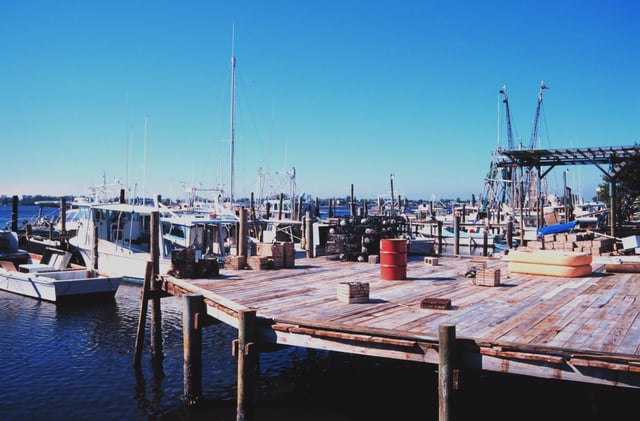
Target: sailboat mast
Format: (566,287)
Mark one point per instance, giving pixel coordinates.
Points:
(233,112)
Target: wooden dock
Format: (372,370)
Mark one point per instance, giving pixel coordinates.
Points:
(583,329)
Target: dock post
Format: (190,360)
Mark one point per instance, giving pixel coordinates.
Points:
(142,320)
(309,234)
(447,342)
(156,310)
(63,222)
(456,235)
(509,234)
(193,315)
(252,208)
(14,213)
(94,255)
(242,233)
(247,365)
(439,237)
(352,206)
(485,240)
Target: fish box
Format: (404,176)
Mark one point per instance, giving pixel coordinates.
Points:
(353,292)
(631,242)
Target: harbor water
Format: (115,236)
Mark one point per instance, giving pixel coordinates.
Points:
(76,363)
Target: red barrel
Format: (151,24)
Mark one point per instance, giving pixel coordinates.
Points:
(393,259)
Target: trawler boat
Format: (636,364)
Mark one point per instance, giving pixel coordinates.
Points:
(116,237)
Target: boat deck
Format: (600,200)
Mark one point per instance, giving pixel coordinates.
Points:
(583,329)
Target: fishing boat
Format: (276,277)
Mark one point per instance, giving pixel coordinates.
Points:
(116,237)
(50,277)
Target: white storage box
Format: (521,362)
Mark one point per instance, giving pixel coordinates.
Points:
(631,242)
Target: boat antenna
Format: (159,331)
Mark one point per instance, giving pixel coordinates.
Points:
(144,162)
(233,109)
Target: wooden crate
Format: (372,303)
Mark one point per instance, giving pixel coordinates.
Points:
(353,292)
(235,262)
(487,277)
(258,262)
(289,255)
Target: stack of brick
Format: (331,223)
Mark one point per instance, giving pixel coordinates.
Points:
(235,262)
(581,242)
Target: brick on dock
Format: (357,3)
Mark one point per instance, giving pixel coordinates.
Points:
(436,303)
(258,262)
(353,292)
(583,242)
(235,262)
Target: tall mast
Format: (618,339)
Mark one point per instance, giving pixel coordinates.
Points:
(233,112)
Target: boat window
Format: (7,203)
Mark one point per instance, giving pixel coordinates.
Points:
(177,231)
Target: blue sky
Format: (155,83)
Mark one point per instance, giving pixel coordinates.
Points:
(347,92)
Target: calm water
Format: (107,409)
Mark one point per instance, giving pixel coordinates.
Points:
(76,363)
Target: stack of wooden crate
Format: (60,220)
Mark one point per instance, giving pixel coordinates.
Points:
(279,254)
(483,275)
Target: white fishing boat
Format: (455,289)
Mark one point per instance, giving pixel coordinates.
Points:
(123,243)
(49,277)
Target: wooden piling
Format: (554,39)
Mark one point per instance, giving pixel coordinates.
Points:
(456,235)
(156,310)
(247,364)
(447,341)
(509,234)
(352,205)
(142,319)
(309,234)
(193,315)
(14,213)
(485,240)
(243,233)
(94,255)
(63,223)
(252,208)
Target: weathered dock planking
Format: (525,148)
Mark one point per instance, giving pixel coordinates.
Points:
(581,329)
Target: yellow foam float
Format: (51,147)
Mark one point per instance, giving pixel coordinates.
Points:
(566,264)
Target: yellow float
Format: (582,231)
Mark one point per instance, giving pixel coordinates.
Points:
(566,264)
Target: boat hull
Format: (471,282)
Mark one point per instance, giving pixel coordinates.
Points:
(121,262)
(60,287)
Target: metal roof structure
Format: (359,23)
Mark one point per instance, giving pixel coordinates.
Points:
(611,161)
(617,158)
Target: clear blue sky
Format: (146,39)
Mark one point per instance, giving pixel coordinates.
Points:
(347,92)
